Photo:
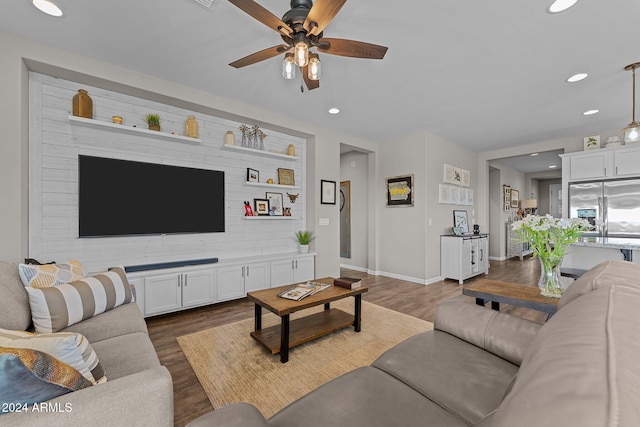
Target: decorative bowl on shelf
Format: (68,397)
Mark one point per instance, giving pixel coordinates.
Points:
(613,141)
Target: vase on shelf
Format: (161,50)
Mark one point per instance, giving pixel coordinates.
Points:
(191,127)
(229,138)
(82,104)
(549,283)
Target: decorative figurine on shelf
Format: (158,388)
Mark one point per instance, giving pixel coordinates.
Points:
(245,130)
(248,210)
(293,197)
(287,211)
(476,229)
(270,181)
(272,212)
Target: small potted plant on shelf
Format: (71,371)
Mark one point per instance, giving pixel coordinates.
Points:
(153,120)
(304,238)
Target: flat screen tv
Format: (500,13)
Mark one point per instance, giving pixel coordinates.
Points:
(122,198)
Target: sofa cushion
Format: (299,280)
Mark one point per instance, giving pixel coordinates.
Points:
(126,354)
(31,376)
(461,377)
(582,368)
(604,274)
(14,301)
(41,276)
(364,397)
(121,320)
(54,308)
(72,349)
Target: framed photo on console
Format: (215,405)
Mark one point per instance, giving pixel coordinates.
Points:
(461,221)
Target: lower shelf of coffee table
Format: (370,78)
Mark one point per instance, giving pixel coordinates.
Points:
(304,329)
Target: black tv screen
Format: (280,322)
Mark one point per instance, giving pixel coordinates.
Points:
(122,197)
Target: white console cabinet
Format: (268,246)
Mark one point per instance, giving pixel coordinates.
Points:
(235,281)
(173,291)
(292,270)
(462,257)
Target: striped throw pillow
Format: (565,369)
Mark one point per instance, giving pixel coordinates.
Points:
(68,347)
(40,276)
(56,307)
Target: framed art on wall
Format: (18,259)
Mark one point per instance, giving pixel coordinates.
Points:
(515,198)
(400,191)
(275,203)
(253,175)
(327,192)
(261,206)
(286,177)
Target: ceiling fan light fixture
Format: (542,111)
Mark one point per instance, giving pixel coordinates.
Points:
(288,67)
(314,67)
(632,131)
(301,50)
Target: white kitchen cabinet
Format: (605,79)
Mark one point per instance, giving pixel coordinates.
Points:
(234,281)
(174,291)
(462,257)
(605,163)
(292,270)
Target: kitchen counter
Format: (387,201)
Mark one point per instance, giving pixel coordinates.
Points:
(624,244)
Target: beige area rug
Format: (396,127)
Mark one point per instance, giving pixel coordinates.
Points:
(233,367)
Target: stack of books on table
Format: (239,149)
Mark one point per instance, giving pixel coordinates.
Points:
(303,290)
(347,282)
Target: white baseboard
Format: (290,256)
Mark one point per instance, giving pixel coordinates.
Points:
(356,268)
(393,275)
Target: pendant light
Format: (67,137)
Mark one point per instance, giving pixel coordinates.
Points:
(632,132)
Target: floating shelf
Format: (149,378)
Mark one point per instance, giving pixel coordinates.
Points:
(130,129)
(265,185)
(258,152)
(268,217)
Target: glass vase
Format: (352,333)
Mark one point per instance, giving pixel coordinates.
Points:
(549,283)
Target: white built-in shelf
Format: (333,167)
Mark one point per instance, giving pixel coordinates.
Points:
(268,217)
(265,185)
(258,152)
(130,129)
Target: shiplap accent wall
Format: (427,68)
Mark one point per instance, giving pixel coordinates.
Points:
(54,146)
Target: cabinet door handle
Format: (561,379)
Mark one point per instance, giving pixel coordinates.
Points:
(247,271)
(185,280)
(296,264)
(243,271)
(292,267)
(179,281)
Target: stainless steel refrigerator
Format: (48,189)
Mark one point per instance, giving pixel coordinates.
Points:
(612,206)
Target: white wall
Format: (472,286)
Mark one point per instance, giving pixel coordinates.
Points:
(19,54)
(354,167)
(55,144)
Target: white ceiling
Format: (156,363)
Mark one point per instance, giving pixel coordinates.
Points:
(483,74)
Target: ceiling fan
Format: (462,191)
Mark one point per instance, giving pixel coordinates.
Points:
(301,29)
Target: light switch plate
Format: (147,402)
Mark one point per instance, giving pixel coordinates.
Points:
(323,221)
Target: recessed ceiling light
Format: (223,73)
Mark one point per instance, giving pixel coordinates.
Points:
(552,166)
(577,77)
(334,110)
(590,112)
(534,154)
(47,7)
(561,5)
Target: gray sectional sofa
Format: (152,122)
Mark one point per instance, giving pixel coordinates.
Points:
(139,391)
(484,368)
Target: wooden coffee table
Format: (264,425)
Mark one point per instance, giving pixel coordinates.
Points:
(280,338)
(510,293)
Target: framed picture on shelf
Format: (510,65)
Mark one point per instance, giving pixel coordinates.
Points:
(327,192)
(253,175)
(461,221)
(515,198)
(400,190)
(275,203)
(286,177)
(591,142)
(261,207)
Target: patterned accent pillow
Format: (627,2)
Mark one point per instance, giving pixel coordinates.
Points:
(68,347)
(31,376)
(40,276)
(56,307)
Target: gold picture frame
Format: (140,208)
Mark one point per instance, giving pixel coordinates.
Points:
(286,177)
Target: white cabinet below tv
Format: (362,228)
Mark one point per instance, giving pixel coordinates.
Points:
(166,290)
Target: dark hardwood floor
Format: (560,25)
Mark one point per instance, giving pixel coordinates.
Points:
(420,301)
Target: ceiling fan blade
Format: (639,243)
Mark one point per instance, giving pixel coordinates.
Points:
(267,53)
(321,13)
(352,48)
(311,84)
(263,15)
